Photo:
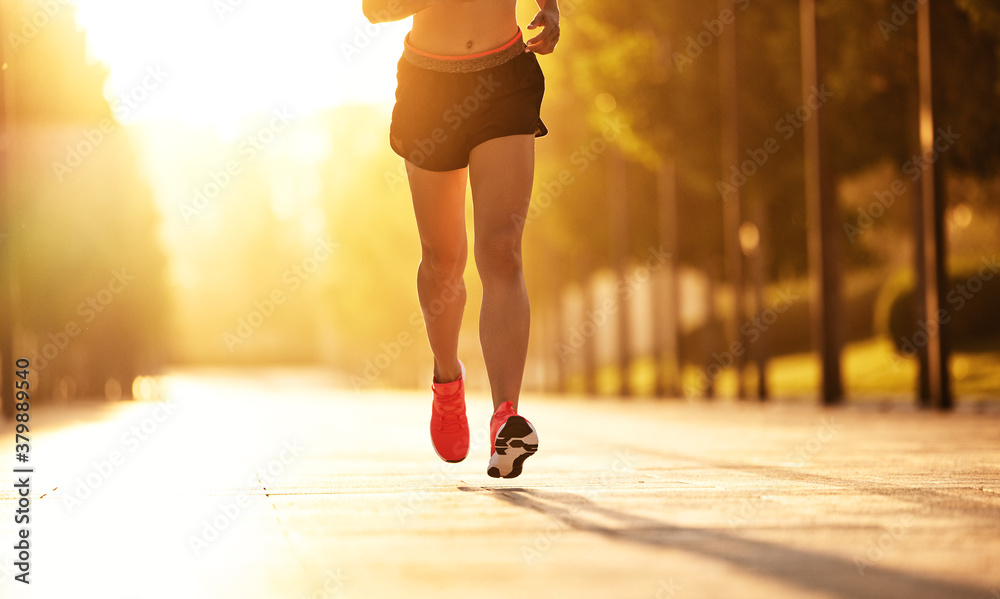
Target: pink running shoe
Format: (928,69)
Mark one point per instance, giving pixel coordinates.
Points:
(514,440)
(449,425)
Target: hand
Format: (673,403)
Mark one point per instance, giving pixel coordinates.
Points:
(545,42)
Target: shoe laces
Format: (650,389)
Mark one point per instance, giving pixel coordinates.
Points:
(450,411)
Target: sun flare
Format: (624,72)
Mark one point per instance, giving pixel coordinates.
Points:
(218,63)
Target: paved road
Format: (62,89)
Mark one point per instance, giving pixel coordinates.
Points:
(277,485)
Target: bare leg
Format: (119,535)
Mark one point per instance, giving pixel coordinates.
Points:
(439,205)
(501,172)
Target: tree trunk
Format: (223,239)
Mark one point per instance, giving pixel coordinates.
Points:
(823,234)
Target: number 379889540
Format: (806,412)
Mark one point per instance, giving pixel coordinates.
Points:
(21,404)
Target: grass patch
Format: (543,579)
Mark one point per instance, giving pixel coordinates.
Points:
(873,372)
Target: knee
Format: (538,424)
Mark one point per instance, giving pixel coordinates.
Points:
(443,264)
(499,254)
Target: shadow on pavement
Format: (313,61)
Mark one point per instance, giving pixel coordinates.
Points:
(806,569)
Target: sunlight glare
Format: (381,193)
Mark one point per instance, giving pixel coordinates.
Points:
(219,63)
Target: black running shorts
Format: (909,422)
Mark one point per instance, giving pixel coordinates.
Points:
(445,106)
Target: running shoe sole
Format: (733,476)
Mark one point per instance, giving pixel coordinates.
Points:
(516,441)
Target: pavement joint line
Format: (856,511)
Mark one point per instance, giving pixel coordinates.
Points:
(885,490)
(831,573)
(283,527)
(612,532)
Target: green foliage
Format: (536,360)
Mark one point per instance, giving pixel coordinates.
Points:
(660,62)
(372,296)
(55,82)
(967,86)
(984,14)
(972,294)
(788,332)
(90,298)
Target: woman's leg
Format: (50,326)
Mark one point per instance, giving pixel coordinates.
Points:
(501,171)
(439,205)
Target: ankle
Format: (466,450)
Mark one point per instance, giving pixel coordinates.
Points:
(502,404)
(447,373)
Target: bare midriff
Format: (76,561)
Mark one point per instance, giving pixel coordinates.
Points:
(460,28)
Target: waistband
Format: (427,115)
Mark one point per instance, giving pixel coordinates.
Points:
(468,63)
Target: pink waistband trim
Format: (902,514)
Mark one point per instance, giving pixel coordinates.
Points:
(466,63)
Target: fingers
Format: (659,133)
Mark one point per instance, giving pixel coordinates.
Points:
(545,42)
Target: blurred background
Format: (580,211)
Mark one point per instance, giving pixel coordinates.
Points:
(748,198)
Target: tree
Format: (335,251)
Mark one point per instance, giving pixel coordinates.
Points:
(88,268)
